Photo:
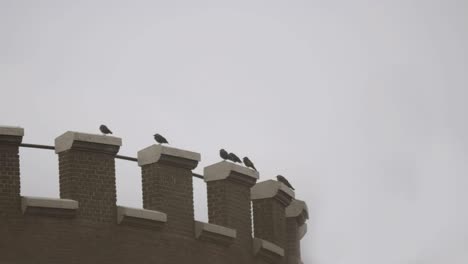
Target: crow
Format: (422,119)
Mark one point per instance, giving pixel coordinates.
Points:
(249,163)
(223,154)
(104,129)
(160,139)
(232,157)
(284,181)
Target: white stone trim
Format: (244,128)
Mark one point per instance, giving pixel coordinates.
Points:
(212,228)
(302,230)
(268,189)
(11,131)
(222,170)
(295,208)
(259,244)
(28,201)
(65,141)
(123,212)
(153,153)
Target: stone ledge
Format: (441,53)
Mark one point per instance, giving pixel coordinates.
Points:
(269,189)
(67,140)
(298,209)
(11,131)
(48,206)
(302,230)
(140,217)
(154,153)
(224,169)
(214,233)
(267,250)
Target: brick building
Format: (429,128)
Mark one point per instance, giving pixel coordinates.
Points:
(87,226)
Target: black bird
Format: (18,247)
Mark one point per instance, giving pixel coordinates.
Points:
(223,154)
(160,139)
(232,157)
(104,129)
(284,181)
(249,163)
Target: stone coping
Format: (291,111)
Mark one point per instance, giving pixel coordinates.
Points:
(216,229)
(296,208)
(268,189)
(151,215)
(28,201)
(260,244)
(302,230)
(153,153)
(222,170)
(65,141)
(11,131)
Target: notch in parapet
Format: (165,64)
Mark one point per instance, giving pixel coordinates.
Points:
(48,206)
(10,140)
(270,199)
(168,185)
(297,214)
(87,173)
(229,205)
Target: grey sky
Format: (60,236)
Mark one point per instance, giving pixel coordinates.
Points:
(361,104)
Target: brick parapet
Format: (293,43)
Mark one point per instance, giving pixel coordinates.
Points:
(86,225)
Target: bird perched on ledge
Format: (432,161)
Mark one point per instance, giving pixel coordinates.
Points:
(284,181)
(104,130)
(232,157)
(249,163)
(223,154)
(160,139)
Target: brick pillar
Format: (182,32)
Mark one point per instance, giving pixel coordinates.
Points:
(229,204)
(270,199)
(296,216)
(87,173)
(167,185)
(10,200)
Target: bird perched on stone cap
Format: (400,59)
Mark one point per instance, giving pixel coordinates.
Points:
(160,139)
(105,130)
(249,163)
(232,157)
(223,154)
(284,181)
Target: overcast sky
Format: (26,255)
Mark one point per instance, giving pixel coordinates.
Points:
(360,104)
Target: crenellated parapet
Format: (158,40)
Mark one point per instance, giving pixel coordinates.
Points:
(85,225)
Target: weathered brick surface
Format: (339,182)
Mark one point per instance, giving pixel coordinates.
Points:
(9,176)
(89,178)
(293,250)
(229,205)
(270,221)
(169,189)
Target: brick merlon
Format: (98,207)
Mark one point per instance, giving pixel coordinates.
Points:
(269,189)
(153,154)
(68,139)
(223,169)
(11,131)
